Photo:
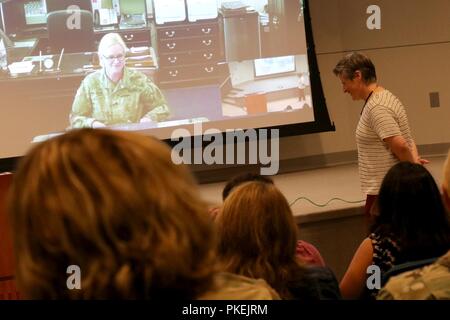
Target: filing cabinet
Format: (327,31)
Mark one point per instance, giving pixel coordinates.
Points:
(188,53)
(132,37)
(242,36)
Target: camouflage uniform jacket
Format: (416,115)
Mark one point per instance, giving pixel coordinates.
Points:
(135,96)
(427,283)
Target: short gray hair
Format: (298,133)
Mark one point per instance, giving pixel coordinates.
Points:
(353,62)
(109,40)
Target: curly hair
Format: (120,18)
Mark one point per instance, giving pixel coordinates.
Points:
(114,204)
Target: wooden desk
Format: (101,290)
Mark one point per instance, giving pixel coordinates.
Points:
(133,37)
(73,65)
(21,49)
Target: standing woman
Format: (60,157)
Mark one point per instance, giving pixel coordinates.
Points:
(383,136)
(116,94)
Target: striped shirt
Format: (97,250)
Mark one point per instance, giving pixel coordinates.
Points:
(383,116)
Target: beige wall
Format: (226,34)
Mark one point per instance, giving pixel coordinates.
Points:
(412,56)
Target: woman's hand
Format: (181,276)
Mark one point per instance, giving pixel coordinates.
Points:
(98,124)
(145,120)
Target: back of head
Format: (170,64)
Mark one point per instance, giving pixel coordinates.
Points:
(242,178)
(257,234)
(115,205)
(353,62)
(411,209)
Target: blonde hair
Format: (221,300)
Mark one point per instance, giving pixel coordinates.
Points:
(114,204)
(258,235)
(109,40)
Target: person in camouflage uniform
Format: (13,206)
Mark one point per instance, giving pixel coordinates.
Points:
(427,283)
(116,94)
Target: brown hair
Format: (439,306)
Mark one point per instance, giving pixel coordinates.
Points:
(353,62)
(114,204)
(258,235)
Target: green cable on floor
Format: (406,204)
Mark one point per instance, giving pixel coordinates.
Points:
(323,205)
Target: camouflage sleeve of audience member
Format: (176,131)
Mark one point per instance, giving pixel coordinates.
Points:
(81,114)
(155,102)
(384,294)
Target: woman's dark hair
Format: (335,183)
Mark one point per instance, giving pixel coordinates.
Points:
(412,212)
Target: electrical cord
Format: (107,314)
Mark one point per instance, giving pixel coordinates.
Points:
(323,205)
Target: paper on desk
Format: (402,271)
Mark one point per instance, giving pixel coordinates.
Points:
(21,67)
(37,58)
(24,44)
(139,49)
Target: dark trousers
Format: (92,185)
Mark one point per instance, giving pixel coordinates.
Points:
(370,209)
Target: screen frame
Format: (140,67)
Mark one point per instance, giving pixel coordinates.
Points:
(321,123)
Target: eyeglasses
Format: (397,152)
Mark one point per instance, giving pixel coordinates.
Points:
(119,57)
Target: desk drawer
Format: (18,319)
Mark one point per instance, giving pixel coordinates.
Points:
(177,59)
(131,37)
(188,31)
(188,44)
(189,72)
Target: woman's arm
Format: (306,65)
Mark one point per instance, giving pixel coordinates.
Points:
(354,281)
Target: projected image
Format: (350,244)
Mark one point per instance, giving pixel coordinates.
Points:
(227,64)
(278,84)
(262,28)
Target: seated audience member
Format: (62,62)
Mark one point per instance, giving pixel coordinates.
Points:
(257,238)
(116,94)
(114,204)
(411,225)
(306,252)
(430,282)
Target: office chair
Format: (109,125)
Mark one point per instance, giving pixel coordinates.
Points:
(60,35)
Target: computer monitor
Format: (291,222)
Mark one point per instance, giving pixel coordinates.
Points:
(35,12)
